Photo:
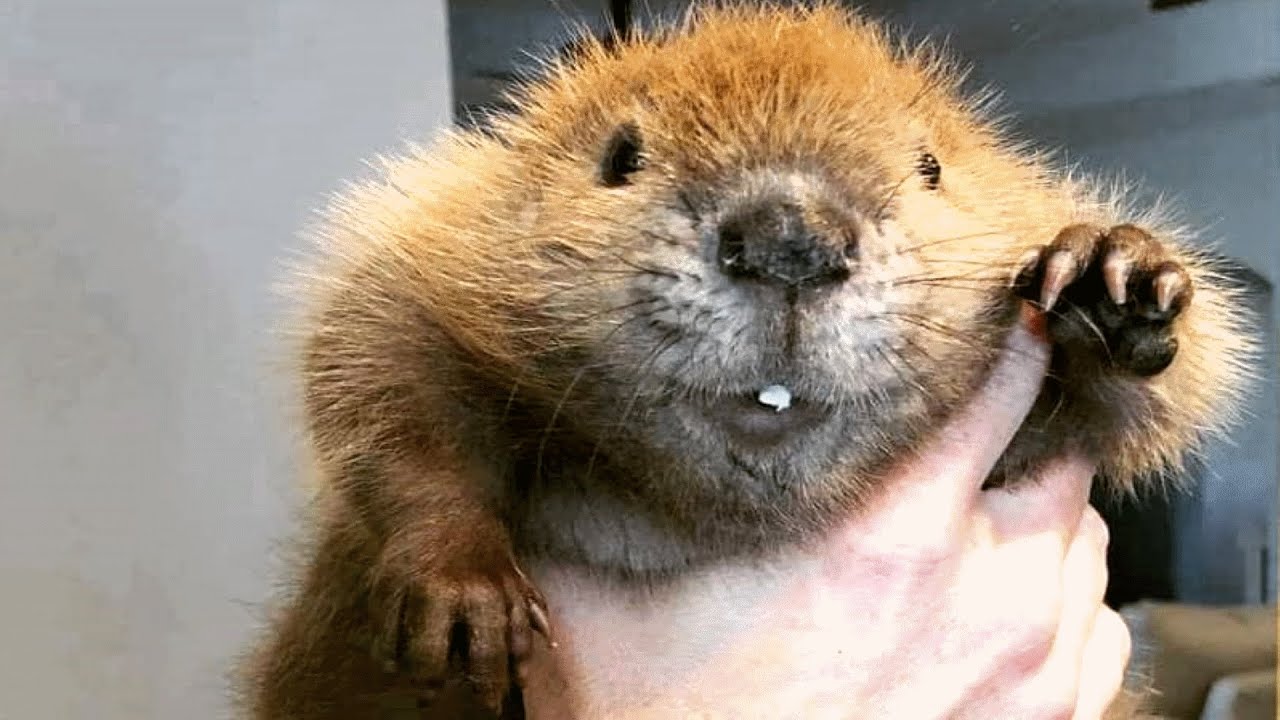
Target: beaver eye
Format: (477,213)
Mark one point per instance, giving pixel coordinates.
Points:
(930,169)
(623,156)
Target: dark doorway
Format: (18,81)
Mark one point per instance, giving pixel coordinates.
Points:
(1140,559)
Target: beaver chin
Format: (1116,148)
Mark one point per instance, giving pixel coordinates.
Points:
(751,424)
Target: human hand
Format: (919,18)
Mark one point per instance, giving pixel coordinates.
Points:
(939,601)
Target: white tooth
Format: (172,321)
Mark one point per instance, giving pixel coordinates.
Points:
(776,397)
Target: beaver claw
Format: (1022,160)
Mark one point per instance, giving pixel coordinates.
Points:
(479,622)
(1117,289)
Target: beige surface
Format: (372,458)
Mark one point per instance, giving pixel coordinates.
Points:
(1185,649)
(1245,696)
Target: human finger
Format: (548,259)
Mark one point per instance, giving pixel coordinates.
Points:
(1103,667)
(1084,578)
(940,482)
(1078,583)
(1053,500)
(1083,587)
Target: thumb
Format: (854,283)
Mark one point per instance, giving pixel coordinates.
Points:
(939,485)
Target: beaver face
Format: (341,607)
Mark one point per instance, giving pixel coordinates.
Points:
(771,276)
(781,279)
(784,275)
(733,229)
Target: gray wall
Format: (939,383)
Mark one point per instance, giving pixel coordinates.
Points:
(157,159)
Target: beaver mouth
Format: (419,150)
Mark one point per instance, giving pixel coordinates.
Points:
(751,424)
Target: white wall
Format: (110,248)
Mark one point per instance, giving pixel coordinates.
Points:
(157,158)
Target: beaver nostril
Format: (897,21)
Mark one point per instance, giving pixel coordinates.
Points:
(771,243)
(731,253)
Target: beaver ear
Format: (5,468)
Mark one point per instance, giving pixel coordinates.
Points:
(930,169)
(623,156)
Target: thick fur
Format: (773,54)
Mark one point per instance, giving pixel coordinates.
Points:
(504,357)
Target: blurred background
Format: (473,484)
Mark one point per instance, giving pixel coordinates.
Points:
(159,157)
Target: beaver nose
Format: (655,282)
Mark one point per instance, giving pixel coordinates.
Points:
(771,243)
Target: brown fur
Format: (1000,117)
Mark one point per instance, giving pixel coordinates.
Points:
(459,300)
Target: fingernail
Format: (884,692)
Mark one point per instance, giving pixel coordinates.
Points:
(1034,321)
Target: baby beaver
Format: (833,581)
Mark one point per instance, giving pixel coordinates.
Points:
(685,305)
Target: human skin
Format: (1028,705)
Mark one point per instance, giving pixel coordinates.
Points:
(941,600)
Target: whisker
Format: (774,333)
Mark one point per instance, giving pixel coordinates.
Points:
(575,286)
(1062,399)
(962,261)
(661,272)
(889,196)
(609,311)
(968,236)
(945,331)
(646,366)
(568,391)
(976,274)
(888,355)
(975,287)
(1092,326)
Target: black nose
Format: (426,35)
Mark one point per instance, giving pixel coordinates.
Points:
(771,243)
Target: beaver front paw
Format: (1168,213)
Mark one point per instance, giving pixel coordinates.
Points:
(473,618)
(1116,291)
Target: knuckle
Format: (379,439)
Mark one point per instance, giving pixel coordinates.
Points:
(481,595)
(1079,235)
(1093,526)
(1128,232)
(433,613)
(485,623)
(1119,642)
(1026,656)
(443,594)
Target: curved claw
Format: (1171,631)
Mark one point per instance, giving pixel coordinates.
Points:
(540,622)
(1169,284)
(1059,271)
(1115,271)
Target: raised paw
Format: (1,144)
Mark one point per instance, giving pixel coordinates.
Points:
(1116,291)
(475,623)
